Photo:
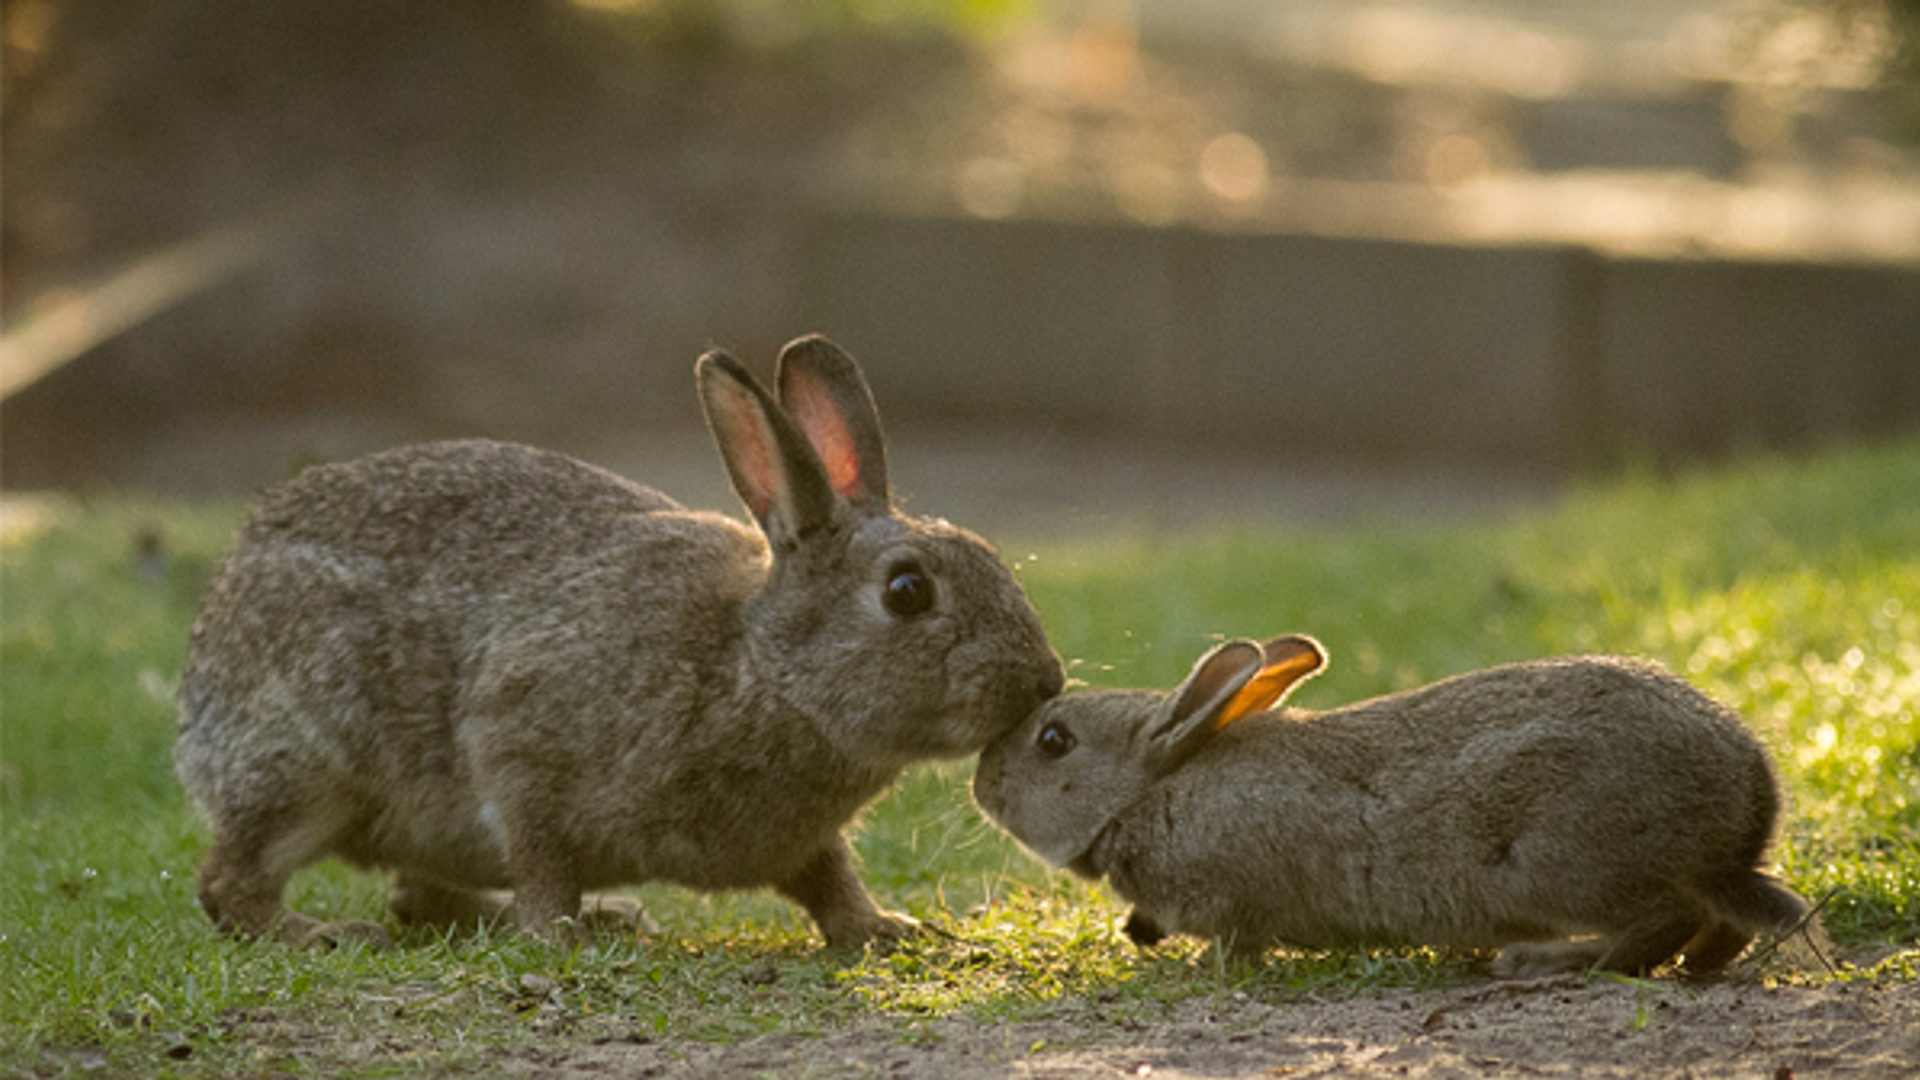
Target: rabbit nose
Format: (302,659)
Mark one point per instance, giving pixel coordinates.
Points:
(1052,680)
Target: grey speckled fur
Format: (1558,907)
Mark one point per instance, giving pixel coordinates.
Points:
(489,666)
(1587,811)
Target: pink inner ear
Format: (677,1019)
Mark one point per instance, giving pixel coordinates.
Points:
(756,460)
(843,465)
(831,439)
(752,454)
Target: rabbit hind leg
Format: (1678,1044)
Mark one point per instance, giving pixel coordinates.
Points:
(1634,952)
(1634,949)
(239,894)
(1762,902)
(1714,947)
(422,902)
(1654,939)
(1750,904)
(418,901)
(241,882)
(616,915)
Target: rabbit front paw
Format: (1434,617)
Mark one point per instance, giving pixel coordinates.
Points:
(847,917)
(883,930)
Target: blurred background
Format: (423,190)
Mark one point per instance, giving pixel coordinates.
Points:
(1240,257)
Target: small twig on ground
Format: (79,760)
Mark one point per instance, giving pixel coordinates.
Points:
(1808,930)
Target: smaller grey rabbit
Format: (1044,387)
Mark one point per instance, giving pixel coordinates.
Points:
(487,666)
(1581,812)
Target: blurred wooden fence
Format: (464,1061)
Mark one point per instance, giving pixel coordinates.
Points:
(1543,357)
(1550,355)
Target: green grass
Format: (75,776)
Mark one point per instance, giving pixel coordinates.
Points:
(1789,589)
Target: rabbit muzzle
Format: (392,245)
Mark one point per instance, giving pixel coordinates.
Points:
(968,724)
(989,700)
(987,792)
(990,794)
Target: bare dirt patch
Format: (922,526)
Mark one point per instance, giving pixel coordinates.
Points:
(1556,1027)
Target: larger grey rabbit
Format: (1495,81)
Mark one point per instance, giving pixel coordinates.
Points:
(1581,812)
(488,666)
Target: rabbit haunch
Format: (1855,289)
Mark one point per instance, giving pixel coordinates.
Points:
(488,666)
(1579,812)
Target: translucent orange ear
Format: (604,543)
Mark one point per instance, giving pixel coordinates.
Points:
(1288,660)
(825,393)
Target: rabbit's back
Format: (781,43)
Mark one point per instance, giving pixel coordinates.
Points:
(475,508)
(1565,761)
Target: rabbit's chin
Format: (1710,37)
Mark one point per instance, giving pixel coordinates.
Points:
(1092,861)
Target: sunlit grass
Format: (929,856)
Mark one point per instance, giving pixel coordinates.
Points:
(1789,590)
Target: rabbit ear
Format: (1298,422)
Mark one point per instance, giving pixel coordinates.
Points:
(1287,661)
(1233,680)
(773,467)
(1190,715)
(822,388)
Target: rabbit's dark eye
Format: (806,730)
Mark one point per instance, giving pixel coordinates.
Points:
(909,591)
(1055,741)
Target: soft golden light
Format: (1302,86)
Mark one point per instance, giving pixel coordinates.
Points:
(1233,167)
(990,187)
(1456,159)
